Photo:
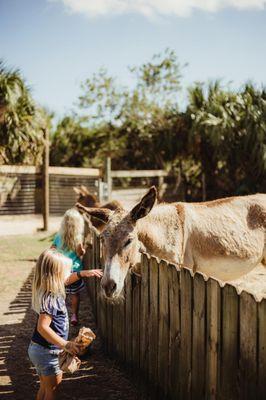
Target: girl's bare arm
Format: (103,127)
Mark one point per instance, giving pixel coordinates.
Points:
(98,273)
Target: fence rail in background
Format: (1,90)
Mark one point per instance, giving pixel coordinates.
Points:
(129,186)
(21,188)
(190,337)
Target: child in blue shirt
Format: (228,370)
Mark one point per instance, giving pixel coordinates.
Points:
(69,241)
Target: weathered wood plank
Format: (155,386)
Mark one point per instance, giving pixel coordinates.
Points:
(135,321)
(248,346)
(199,337)
(116,322)
(262,350)
(109,327)
(144,316)
(128,319)
(174,340)
(229,388)
(138,173)
(163,343)
(153,323)
(213,333)
(186,333)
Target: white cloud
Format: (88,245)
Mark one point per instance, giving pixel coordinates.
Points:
(153,8)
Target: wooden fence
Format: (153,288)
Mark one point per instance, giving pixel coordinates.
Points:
(21,188)
(188,336)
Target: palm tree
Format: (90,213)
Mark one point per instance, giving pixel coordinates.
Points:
(21,121)
(229,137)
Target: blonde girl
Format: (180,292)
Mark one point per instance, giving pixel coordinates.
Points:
(50,335)
(69,241)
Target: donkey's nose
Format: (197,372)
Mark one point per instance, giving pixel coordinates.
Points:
(109,287)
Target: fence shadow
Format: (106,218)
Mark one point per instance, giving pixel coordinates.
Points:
(18,378)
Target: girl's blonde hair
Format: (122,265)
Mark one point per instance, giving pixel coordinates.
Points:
(72,229)
(51,271)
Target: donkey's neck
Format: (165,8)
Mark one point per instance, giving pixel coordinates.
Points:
(159,232)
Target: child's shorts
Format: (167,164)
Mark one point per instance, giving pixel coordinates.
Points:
(75,287)
(45,360)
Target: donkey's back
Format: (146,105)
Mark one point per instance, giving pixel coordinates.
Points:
(226,238)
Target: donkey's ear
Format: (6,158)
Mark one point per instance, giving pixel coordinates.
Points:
(77,190)
(102,214)
(84,190)
(145,205)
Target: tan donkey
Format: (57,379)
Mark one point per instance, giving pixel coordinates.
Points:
(224,238)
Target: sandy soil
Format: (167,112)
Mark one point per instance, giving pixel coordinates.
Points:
(26,224)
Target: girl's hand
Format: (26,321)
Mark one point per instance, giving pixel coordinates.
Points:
(98,273)
(72,348)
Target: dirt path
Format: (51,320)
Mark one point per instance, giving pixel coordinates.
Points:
(99,377)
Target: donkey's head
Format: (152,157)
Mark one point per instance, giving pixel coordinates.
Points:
(121,247)
(85,198)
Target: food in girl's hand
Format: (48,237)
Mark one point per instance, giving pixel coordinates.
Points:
(84,339)
(70,363)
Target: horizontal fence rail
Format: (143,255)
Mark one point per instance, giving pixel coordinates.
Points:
(188,336)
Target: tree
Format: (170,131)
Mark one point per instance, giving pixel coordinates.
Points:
(21,121)
(128,115)
(229,137)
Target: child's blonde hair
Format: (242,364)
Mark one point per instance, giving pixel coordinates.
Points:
(52,268)
(72,229)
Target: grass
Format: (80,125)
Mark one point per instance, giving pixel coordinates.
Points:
(22,247)
(18,254)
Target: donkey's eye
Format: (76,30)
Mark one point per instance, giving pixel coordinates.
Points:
(127,242)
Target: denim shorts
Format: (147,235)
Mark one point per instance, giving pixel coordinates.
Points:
(44,360)
(75,287)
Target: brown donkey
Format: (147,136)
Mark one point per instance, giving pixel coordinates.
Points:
(222,238)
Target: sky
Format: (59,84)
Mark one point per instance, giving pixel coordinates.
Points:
(57,44)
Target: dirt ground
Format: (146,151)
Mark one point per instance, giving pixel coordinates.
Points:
(26,224)
(98,378)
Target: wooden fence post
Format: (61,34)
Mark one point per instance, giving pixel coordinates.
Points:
(45,180)
(144,316)
(213,333)
(261,349)
(186,295)
(108,176)
(153,321)
(198,338)
(248,346)
(229,388)
(164,325)
(174,342)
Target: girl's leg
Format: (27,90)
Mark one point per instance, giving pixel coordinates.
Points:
(75,299)
(41,391)
(50,384)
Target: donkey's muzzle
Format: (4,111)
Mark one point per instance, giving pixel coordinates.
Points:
(109,287)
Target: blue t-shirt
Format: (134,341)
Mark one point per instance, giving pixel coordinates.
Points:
(56,308)
(76,261)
